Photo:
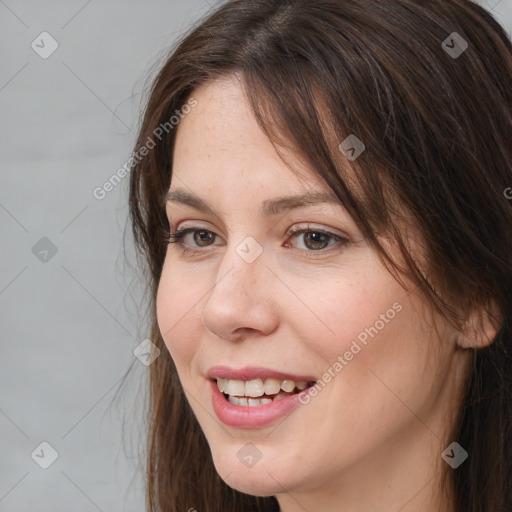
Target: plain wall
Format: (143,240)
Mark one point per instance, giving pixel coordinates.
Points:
(69,311)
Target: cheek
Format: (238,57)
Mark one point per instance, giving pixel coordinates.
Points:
(347,310)
(367,323)
(178,312)
(379,365)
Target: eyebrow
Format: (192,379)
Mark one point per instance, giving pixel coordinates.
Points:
(269,207)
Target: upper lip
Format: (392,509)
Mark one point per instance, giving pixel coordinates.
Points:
(254,372)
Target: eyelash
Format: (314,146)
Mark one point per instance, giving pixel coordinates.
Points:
(178,235)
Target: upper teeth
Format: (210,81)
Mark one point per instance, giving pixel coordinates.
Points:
(256,387)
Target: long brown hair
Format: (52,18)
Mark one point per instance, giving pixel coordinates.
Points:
(435,117)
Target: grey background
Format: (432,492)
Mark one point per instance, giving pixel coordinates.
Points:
(70,321)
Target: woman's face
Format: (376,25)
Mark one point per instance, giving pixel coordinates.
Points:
(317,305)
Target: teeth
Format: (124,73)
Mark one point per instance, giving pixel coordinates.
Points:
(259,401)
(256,388)
(234,387)
(288,385)
(249,402)
(221,384)
(272,386)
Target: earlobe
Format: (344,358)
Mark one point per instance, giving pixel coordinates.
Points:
(480,328)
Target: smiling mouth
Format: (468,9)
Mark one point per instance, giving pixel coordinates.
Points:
(258,392)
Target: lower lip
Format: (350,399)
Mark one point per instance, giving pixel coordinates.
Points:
(252,417)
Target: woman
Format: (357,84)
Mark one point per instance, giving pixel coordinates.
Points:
(329,246)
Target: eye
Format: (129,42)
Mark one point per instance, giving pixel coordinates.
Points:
(315,240)
(311,240)
(201,237)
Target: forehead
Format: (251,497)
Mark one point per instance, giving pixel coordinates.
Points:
(220,139)
(222,114)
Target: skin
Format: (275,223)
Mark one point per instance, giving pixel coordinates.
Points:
(373,436)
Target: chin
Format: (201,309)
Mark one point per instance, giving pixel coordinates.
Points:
(258,480)
(256,484)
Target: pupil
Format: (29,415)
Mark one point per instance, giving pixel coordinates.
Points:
(319,240)
(202,236)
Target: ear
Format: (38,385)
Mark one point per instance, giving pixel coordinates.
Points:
(480,327)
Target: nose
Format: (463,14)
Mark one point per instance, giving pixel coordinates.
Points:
(241,302)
